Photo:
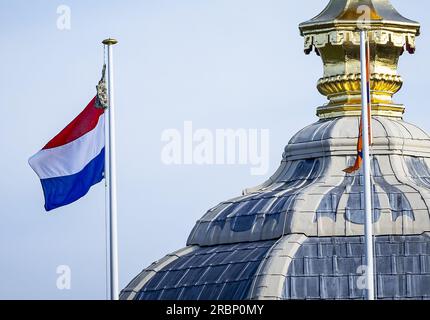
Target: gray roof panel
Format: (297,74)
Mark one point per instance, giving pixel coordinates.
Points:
(402,268)
(219,272)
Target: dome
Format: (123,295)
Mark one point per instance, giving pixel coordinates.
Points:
(293,267)
(299,235)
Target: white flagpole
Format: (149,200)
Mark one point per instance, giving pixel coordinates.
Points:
(110,175)
(370,273)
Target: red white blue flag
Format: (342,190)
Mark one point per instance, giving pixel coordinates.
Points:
(73,160)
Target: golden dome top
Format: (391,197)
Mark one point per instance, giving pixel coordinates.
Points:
(334,35)
(346,13)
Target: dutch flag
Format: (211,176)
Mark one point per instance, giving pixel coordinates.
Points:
(73,160)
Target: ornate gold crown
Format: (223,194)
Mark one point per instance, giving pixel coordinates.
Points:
(334,35)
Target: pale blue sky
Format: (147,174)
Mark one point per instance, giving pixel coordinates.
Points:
(219,63)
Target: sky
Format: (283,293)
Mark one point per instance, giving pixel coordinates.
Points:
(221,64)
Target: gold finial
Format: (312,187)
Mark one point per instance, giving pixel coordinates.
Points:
(110,42)
(334,35)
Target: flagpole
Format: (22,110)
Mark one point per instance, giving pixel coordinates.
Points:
(110,175)
(370,273)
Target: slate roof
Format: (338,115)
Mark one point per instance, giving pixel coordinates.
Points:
(293,267)
(211,273)
(297,236)
(326,268)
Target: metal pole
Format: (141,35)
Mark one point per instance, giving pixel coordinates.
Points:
(110,175)
(370,274)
